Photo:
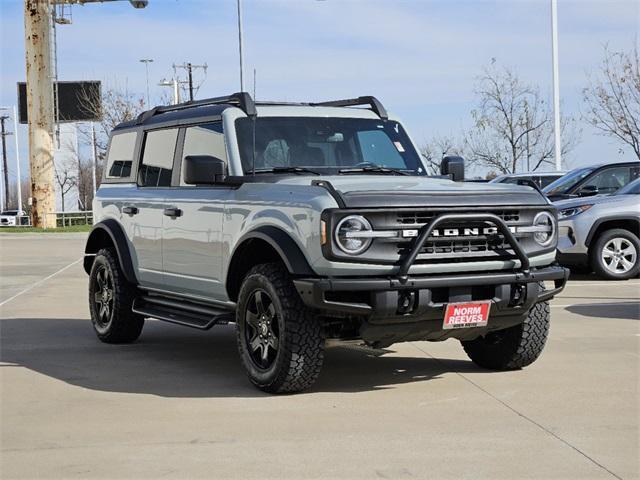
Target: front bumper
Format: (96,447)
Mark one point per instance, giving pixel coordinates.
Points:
(332,293)
(393,310)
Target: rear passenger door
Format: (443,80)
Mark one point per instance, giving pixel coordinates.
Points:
(193,242)
(149,205)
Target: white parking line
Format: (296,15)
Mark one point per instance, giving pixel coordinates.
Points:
(597,304)
(602,284)
(39,282)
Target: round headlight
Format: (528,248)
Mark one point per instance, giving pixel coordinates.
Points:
(349,234)
(547,226)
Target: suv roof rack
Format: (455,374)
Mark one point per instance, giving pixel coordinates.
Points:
(242,99)
(373,102)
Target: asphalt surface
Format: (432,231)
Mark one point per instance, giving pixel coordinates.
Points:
(177,403)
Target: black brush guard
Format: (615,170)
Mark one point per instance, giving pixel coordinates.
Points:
(313,290)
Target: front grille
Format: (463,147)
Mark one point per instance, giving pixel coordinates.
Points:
(452,249)
(459,249)
(423,217)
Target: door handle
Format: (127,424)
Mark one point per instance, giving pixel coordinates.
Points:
(129,210)
(172,212)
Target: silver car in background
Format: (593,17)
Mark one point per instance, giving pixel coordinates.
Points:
(602,233)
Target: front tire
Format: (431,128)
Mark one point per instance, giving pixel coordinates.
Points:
(515,347)
(110,301)
(280,342)
(615,255)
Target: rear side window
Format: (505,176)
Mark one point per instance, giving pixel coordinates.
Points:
(157,158)
(120,156)
(206,139)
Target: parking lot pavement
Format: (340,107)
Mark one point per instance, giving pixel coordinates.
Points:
(177,403)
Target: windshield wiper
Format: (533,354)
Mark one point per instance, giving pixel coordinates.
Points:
(289,170)
(393,171)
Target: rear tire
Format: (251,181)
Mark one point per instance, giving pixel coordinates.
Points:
(615,255)
(280,342)
(515,347)
(110,301)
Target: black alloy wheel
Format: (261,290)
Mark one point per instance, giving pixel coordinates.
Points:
(262,332)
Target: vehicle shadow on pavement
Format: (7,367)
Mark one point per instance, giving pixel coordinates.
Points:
(620,311)
(177,362)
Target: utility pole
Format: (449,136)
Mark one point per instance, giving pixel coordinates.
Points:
(5,172)
(190,73)
(189,67)
(556,85)
(37,23)
(146,62)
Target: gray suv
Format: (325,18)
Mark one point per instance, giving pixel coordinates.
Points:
(308,223)
(602,232)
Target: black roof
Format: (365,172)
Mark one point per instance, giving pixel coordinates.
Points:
(210,107)
(174,116)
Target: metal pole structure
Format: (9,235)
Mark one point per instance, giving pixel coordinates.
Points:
(93,159)
(176,91)
(556,85)
(15,135)
(190,74)
(37,22)
(5,171)
(240,40)
(146,62)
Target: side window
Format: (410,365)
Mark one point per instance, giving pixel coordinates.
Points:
(157,158)
(610,179)
(120,156)
(206,139)
(378,149)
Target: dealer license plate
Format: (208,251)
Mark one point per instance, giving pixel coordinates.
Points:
(466,314)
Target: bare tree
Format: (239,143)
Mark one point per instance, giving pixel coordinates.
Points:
(435,149)
(66,178)
(613,98)
(513,127)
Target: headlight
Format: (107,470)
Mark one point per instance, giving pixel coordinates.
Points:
(348,234)
(573,211)
(545,226)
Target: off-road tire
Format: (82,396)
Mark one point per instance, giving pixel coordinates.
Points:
(300,352)
(595,254)
(122,325)
(515,347)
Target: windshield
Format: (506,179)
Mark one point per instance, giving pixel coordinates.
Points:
(325,145)
(632,188)
(564,183)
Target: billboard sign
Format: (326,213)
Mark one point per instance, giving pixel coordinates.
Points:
(77,101)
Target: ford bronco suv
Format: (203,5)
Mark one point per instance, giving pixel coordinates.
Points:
(313,222)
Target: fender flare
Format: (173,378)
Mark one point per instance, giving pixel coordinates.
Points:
(600,221)
(283,244)
(118,238)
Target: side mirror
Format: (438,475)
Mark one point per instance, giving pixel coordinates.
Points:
(588,191)
(453,166)
(203,169)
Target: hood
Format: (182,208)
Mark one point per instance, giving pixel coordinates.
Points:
(594,200)
(362,191)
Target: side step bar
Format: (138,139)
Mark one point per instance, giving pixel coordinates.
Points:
(181,312)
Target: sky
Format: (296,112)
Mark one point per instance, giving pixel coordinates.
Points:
(421,58)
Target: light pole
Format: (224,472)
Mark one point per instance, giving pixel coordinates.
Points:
(240,40)
(146,62)
(556,85)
